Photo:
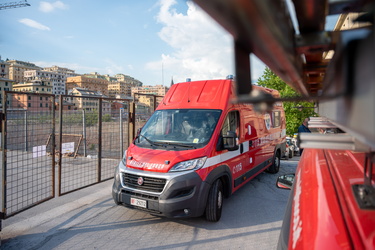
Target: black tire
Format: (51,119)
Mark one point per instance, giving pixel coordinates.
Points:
(274,168)
(215,202)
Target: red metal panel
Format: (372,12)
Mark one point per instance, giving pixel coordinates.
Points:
(317,221)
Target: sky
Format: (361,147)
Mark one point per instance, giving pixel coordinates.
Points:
(152,41)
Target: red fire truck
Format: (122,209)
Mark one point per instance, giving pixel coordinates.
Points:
(332,202)
(197,148)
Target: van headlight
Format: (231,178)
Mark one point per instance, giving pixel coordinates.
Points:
(189,165)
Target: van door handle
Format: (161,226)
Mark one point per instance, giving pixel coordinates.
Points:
(241,148)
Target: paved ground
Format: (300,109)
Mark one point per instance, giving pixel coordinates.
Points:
(88,219)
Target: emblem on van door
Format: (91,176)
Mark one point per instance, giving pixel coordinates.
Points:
(140,181)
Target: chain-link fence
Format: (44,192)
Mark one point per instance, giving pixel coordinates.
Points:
(61,143)
(85,137)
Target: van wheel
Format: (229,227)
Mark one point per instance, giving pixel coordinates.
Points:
(215,202)
(274,168)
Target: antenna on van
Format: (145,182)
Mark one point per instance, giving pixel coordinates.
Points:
(188,80)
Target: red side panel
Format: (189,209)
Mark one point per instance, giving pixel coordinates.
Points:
(347,170)
(316,221)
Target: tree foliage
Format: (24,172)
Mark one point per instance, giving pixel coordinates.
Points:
(294,115)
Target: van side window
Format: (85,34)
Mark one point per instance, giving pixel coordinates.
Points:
(276,119)
(231,123)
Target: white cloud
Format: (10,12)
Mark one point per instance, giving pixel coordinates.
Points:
(202,48)
(49,7)
(33,24)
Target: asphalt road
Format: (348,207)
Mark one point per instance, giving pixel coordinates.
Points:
(89,219)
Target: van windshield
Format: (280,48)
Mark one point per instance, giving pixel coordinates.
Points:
(178,128)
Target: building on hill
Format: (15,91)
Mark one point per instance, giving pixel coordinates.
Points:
(6,85)
(34,86)
(151,90)
(81,99)
(65,71)
(47,78)
(32,103)
(17,69)
(129,80)
(4,69)
(121,88)
(95,84)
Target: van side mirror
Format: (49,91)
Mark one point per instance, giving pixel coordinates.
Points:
(285,181)
(229,141)
(138,133)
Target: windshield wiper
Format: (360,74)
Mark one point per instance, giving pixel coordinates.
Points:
(151,142)
(179,144)
(166,143)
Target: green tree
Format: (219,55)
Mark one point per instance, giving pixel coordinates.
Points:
(294,116)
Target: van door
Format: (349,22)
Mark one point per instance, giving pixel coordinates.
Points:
(236,159)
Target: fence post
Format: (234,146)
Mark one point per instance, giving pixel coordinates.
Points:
(26,144)
(121,134)
(154,97)
(131,122)
(53,146)
(84,132)
(60,141)
(4,160)
(100,140)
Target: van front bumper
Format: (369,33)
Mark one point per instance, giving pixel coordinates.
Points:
(183,195)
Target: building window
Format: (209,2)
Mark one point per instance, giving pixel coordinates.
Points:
(29,97)
(29,105)
(41,105)
(46,105)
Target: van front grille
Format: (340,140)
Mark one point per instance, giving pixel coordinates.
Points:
(149,183)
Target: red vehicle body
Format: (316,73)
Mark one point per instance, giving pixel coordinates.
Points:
(197,148)
(325,210)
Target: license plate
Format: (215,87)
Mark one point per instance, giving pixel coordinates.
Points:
(138,202)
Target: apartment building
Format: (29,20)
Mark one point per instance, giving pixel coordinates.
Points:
(4,69)
(34,103)
(7,85)
(129,80)
(47,78)
(85,82)
(119,90)
(81,99)
(160,90)
(122,86)
(65,71)
(17,69)
(35,86)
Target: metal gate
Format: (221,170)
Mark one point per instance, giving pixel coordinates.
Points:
(77,139)
(28,173)
(92,136)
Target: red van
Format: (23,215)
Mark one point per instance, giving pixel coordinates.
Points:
(332,201)
(197,148)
